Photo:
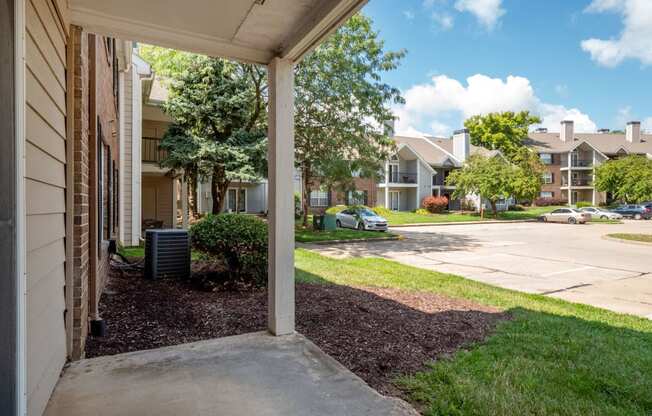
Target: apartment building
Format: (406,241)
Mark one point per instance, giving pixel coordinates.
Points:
(570,158)
(419,168)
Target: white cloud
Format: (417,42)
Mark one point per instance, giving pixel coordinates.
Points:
(433,105)
(443,21)
(409,14)
(488,12)
(624,115)
(635,41)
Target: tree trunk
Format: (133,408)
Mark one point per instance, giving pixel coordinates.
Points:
(219,186)
(305,177)
(193,195)
(494,209)
(215,197)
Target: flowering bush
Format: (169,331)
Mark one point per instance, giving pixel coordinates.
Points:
(434,204)
(546,202)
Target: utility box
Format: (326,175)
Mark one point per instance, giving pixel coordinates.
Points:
(167,254)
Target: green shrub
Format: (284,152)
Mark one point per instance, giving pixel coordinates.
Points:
(422,211)
(516,208)
(240,239)
(583,204)
(382,211)
(337,208)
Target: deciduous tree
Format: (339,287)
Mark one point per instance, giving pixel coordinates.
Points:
(342,107)
(628,179)
(501,131)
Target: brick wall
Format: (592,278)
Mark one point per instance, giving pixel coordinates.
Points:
(94,111)
(554,168)
(338,198)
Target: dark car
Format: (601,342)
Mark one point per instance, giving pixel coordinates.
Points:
(638,212)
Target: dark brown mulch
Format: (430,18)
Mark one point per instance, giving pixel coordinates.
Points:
(377,333)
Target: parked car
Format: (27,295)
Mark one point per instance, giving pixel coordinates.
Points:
(636,211)
(361,219)
(569,215)
(602,213)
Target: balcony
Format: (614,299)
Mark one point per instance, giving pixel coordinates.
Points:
(151,150)
(403,177)
(577,182)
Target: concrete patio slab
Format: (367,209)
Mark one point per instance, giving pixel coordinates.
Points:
(252,374)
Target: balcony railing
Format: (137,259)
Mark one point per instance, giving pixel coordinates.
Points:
(402,177)
(151,150)
(577,182)
(581,163)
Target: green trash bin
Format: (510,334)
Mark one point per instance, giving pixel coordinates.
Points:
(318,222)
(328,223)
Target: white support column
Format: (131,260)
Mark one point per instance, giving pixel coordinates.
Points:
(184,203)
(280,290)
(594,200)
(387,185)
(570,178)
(174,203)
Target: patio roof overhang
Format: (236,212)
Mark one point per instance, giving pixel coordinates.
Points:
(246,30)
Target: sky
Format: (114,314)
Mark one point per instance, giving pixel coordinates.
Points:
(585,60)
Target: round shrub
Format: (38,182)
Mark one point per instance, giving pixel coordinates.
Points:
(382,211)
(546,202)
(336,209)
(422,211)
(240,239)
(434,204)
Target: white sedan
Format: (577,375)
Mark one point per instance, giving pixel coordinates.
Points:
(602,213)
(361,219)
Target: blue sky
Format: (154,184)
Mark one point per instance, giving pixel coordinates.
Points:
(586,60)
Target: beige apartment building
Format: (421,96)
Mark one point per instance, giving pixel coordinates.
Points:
(570,158)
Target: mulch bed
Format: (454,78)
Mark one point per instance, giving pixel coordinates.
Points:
(377,333)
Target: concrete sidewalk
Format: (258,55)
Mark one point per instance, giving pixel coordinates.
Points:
(253,374)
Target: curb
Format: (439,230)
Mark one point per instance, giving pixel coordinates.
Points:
(622,240)
(356,240)
(441,224)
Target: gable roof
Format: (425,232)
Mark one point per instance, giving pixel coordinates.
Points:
(438,151)
(607,143)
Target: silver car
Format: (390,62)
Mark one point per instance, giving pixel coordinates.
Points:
(569,215)
(361,219)
(602,213)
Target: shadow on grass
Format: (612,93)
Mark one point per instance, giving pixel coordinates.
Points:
(413,242)
(542,364)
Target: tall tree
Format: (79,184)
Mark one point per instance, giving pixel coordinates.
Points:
(218,108)
(501,131)
(342,107)
(494,179)
(628,179)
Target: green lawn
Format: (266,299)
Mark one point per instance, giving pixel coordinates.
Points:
(645,238)
(308,235)
(552,358)
(403,218)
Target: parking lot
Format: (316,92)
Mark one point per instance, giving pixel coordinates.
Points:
(572,262)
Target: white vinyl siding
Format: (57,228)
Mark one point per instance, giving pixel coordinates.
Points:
(45,183)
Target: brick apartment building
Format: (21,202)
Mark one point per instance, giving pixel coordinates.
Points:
(570,158)
(95,66)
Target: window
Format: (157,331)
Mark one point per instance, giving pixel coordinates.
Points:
(546,194)
(393,172)
(236,200)
(242,200)
(394,203)
(356,198)
(546,158)
(318,199)
(547,178)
